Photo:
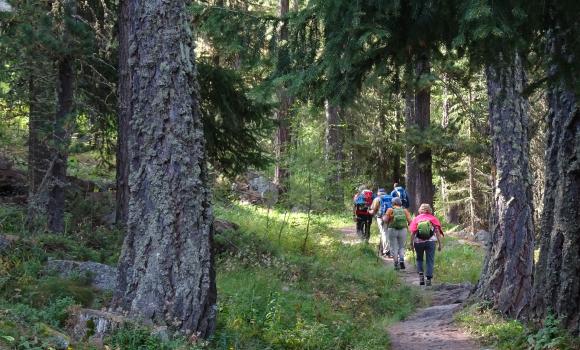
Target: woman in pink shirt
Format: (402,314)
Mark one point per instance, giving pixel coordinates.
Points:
(425,233)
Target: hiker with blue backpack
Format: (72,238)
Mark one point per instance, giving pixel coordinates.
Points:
(399,191)
(379,207)
(398,219)
(363,200)
(426,232)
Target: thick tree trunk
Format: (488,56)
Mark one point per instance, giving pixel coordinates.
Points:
(333,140)
(506,279)
(56,199)
(419,176)
(283,136)
(557,280)
(165,273)
(124,115)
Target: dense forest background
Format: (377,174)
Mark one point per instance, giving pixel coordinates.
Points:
(132,129)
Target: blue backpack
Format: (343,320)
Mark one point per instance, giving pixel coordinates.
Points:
(386,203)
(401,193)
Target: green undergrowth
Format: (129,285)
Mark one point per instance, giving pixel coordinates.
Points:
(277,292)
(458,262)
(34,305)
(492,329)
(284,282)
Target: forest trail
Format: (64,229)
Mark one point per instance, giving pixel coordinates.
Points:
(444,300)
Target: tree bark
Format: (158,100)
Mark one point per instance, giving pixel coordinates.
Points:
(506,279)
(397,158)
(56,199)
(333,140)
(419,176)
(557,279)
(165,273)
(283,136)
(39,137)
(471,174)
(124,115)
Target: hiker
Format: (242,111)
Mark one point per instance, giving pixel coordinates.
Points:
(425,233)
(399,191)
(362,203)
(379,207)
(398,219)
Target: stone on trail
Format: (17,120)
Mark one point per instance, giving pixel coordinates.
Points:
(103,277)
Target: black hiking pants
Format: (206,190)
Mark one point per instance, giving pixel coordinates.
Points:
(363,226)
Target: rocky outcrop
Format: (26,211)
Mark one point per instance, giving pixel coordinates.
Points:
(93,326)
(256,189)
(103,277)
(483,237)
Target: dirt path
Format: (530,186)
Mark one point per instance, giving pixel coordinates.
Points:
(431,327)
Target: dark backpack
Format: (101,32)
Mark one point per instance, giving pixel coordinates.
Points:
(425,230)
(386,203)
(401,193)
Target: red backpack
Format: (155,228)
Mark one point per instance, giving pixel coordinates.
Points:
(363,202)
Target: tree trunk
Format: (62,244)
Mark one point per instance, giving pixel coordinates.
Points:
(165,273)
(444,124)
(39,161)
(557,280)
(124,115)
(471,174)
(333,141)
(283,136)
(381,176)
(397,158)
(419,177)
(506,279)
(56,199)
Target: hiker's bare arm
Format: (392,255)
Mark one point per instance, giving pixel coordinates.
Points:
(439,239)
(408,215)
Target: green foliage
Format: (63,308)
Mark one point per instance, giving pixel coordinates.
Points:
(458,262)
(552,336)
(492,328)
(235,125)
(130,336)
(335,296)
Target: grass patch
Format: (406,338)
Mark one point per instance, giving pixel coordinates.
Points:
(504,334)
(272,294)
(491,328)
(458,262)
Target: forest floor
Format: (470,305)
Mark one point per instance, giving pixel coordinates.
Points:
(433,326)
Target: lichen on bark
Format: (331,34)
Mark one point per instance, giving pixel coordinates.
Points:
(166,268)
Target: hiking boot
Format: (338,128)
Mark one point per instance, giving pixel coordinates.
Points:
(396,265)
(428,281)
(421,279)
(402,265)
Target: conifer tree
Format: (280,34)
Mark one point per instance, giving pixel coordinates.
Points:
(165,272)
(557,279)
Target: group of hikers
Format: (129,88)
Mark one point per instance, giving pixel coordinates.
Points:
(394,221)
